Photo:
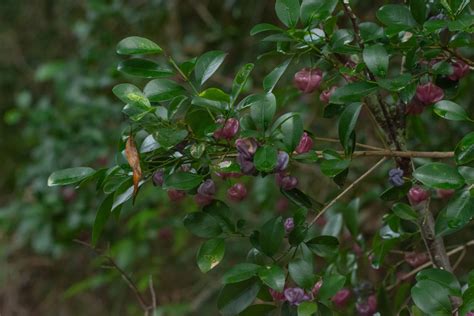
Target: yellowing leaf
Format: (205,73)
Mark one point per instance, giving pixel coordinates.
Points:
(134,161)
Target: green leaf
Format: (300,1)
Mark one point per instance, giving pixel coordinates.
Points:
(210,254)
(200,121)
(143,68)
(202,225)
(259,310)
(169,137)
(221,212)
(333,167)
(130,94)
(439,176)
(404,211)
(182,181)
(396,15)
(288,11)
(316,10)
(376,59)
(353,92)
(265,158)
(301,199)
(270,81)
(291,130)
(101,218)
(273,276)
(235,298)
(324,246)
(346,126)
(370,31)
(135,45)
(467,173)
(431,298)
(419,10)
(159,90)
(456,215)
(395,84)
(271,236)
(464,151)
(307,309)
(262,110)
(443,278)
(332,283)
(207,64)
(351,217)
(396,193)
(264,27)
(450,111)
(301,271)
(69,176)
(240,272)
(240,80)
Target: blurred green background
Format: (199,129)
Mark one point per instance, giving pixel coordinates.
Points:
(57,69)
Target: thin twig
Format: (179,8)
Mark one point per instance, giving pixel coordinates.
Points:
(153,294)
(333,140)
(122,273)
(349,188)
(398,153)
(429,263)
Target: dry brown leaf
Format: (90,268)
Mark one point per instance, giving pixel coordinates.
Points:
(134,161)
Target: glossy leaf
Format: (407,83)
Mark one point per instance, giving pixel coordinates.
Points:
(324,246)
(376,59)
(346,126)
(439,176)
(332,283)
(288,11)
(101,218)
(182,181)
(135,45)
(316,10)
(291,130)
(241,272)
(352,92)
(265,158)
(443,278)
(270,81)
(264,27)
(456,215)
(143,68)
(259,310)
(404,211)
(301,271)
(273,276)
(419,10)
(202,225)
(396,14)
(271,236)
(240,80)
(464,151)
(69,176)
(210,254)
(262,110)
(450,111)
(307,309)
(159,90)
(235,298)
(431,298)
(207,64)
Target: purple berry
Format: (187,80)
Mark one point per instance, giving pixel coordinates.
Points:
(246,147)
(237,192)
(158,178)
(296,295)
(289,225)
(307,80)
(176,195)
(282,161)
(460,69)
(286,182)
(396,177)
(417,194)
(305,145)
(326,94)
(207,188)
(341,298)
(429,93)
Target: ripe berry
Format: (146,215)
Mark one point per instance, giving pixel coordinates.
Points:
(417,194)
(176,195)
(237,192)
(305,145)
(396,177)
(341,298)
(296,295)
(429,93)
(282,161)
(326,94)
(158,178)
(286,182)
(289,225)
(460,69)
(307,80)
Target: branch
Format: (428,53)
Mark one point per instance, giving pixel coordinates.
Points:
(350,187)
(462,248)
(353,18)
(124,276)
(398,153)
